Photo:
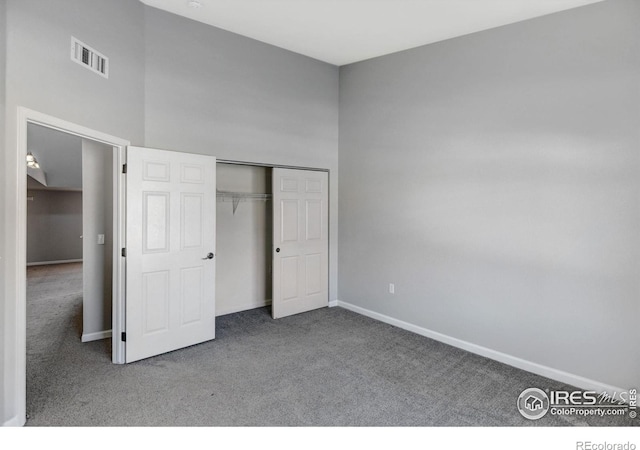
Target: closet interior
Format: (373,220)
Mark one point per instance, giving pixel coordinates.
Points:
(243,237)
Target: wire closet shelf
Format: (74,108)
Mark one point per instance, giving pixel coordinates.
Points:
(237,197)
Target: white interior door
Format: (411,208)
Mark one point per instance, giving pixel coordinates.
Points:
(171,236)
(300,241)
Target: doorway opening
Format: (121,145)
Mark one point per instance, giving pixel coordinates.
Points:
(69,253)
(244,231)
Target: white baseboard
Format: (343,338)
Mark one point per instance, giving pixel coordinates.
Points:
(48,263)
(333,303)
(88,337)
(243,307)
(539,369)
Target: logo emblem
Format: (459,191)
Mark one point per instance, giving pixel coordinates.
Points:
(533,403)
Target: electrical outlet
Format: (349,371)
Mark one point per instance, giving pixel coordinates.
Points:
(392,288)
(101,239)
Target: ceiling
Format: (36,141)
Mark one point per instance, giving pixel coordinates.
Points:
(345,31)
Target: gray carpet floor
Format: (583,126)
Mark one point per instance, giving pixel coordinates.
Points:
(329,367)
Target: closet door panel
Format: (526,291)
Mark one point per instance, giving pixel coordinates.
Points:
(300,241)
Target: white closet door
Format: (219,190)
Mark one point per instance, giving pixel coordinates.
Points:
(170,265)
(300,241)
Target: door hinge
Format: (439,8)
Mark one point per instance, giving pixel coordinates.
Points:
(123,336)
(124,168)
(124,253)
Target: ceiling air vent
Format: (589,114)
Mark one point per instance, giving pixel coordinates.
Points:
(89,58)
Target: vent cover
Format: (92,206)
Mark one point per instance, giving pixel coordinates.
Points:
(89,58)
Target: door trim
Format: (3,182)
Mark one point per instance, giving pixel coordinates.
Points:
(17,221)
(271,166)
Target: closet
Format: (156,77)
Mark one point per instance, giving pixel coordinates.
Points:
(244,229)
(272,239)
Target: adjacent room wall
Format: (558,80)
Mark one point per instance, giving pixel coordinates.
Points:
(54,226)
(494,179)
(213,92)
(54,212)
(97,267)
(243,247)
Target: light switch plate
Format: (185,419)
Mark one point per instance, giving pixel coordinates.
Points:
(101,239)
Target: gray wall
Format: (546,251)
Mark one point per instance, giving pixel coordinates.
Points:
(214,92)
(41,76)
(54,226)
(243,241)
(97,267)
(494,179)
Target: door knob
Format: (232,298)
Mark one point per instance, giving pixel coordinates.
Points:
(209,256)
(278,250)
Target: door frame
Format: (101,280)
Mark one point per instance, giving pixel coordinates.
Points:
(18,210)
(271,166)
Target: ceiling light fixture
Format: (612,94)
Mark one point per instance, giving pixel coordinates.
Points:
(32,162)
(195,4)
